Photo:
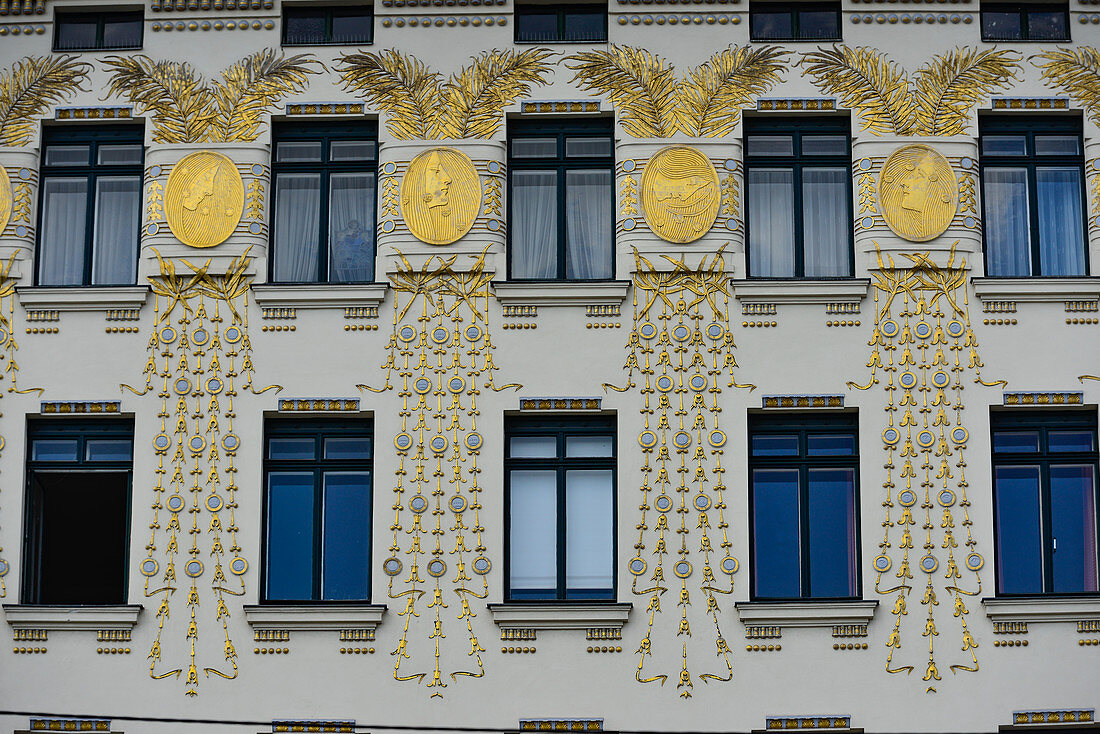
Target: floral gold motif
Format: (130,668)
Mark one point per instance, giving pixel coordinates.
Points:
(30,87)
(5,198)
(918,193)
(440,195)
(204,199)
(680,194)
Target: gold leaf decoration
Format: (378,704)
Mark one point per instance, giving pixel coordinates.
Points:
(714,92)
(641,86)
(399,84)
(953,83)
(1075,71)
(475,96)
(865,80)
(30,87)
(252,85)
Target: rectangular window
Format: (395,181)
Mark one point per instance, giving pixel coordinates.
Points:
(799,210)
(809,21)
(561,195)
(317,499)
(328,26)
(1044,501)
(1033,195)
(78,511)
(561,23)
(803,478)
(91,205)
(1018,22)
(560,489)
(97,31)
(324,203)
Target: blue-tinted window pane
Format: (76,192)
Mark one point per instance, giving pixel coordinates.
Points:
(589,446)
(782,445)
(1057,145)
(775,533)
(1002,26)
(55,449)
(304,27)
(816,24)
(1007,221)
(291,449)
(585,27)
(76,33)
(352,26)
(290,535)
(830,445)
(1016,442)
(589,532)
(1019,530)
(1067,441)
(1047,25)
(772,26)
(1073,525)
(537,26)
(1004,145)
(771,145)
(122,32)
(533,447)
(347,448)
(832,538)
(346,550)
(771,222)
(533,535)
(108,449)
(1061,221)
(350,227)
(824,145)
(67,155)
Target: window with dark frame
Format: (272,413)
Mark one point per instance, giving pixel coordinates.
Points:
(90,209)
(561,23)
(561,223)
(1020,22)
(797,21)
(1045,501)
(1033,196)
(317,510)
(799,207)
(324,182)
(560,508)
(337,25)
(98,31)
(77,527)
(804,506)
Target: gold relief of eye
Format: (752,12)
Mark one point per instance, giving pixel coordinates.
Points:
(204,199)
(440,195)
(918,193)
(680,194)
(5,198)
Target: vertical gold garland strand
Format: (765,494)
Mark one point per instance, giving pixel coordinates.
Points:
(681,346)
(923,311)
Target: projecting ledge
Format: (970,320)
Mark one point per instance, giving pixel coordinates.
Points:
(320,617)
(805,614)
(1043,609)
(755,290)
(83,298)
(75,618)
(562,294)
(560,616)
(326,295)
(1037,290)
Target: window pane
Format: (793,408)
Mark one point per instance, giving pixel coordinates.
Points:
(346,552)
(775,533)
(1073,526)
(122,33)
(292,449)
(1004,145)
(1061,229)
(67,155)
(290,535)
(825,221)
(304,28)
(588,147)
(347,448)
(305,151)
(108,449)
(351,150)
(119,155)
(589,446)
(1057,145)
(818,24)
(832,518)
(535,148)
(297,227)
(351,227)
(1007,222)
(772,26)
(61,243)
(1019,533)
(117,221)
(76,34)
(534,223)
(1061,441)
(1016,442)
(537,26)
(784,445)
(770,145)
(55,449)
(771,222)
(1001,26)
(533,447)
(352,27)
(1047,25)
(588,225)
(824,145)
(830,445)
(585,27)
(589,529)
(533,534)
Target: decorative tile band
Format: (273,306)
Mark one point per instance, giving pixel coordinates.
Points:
(237,24)
(561,724)
(437,3)
(325,108)
(329,405)
(1031,103)
(513,634)
(81,406)
(763,632)
(1011,628)
(1044,398)
(1072,306)
(70,725)
(560,403)
(849,630)
(1086,625)
(43,315)
(911,18)
(675,2)
(795,104)
(560,105)
(181,5)
(123,314)
(758,309)
(679,19)
(518,311)
(26,7)
(842,308)
(279,313)
(113,635)
(95,113)
(342,725)
(604,633)
(597,310)
(400,21)
(999,307)
(803,401)
(357,635)
(271,635)
(1060,716)
(30,635)
(808,722)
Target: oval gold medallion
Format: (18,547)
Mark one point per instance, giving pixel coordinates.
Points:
(440,196)
(680,194)
(5,199)
(204,199)
(918,193)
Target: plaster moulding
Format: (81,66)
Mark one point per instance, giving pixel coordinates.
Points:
(1036,290)
(561,294)
(325,618)
(801,291)
(83,298)
(33,616)
(1039,609)
(319,296)
(806,614)
(560,616)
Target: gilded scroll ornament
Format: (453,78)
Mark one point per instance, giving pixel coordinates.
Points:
(680,194)
(204,199)
(6,199)
(918,193)
(440,195)
(31,87)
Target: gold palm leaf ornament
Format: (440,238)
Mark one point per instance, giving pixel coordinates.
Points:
(475,97)
(952,84)
(29,88)
(399,84)
(711,98)
(1075,71)
(253,85)
(640,85)
(865,80)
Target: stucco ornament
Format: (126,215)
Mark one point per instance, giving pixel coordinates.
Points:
(680,194)
(440,195)
(5,199)
(918,193)
(204,199)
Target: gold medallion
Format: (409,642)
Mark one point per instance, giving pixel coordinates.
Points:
(440,196)
(680,194)
(918,193)
(5,199)
(204,199)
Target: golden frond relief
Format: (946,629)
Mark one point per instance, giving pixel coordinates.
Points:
(951,84)
(865,80)
(641,86)
(712,95)
(251,86)
(399,84)
(1075,71)
(29,88)
(475,97)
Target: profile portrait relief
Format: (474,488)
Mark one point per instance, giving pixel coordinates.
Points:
(440,196)
(680,194)
(918,193)
(204,199)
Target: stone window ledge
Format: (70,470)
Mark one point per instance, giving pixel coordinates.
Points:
(852,290)
(1042,609)
(43,617)
(1037,290)
(83,298)
(314,617)
(562,294)
(560,616)
(805,613)
(320,295)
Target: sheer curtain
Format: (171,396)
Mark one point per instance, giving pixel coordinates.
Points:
(588,225)
(589,530)
(1061,238)
(771,222)
(534,224)
(64,215)
(825,222)
(1007,222)
(533,531)
(350,227)
(297,227)
(114,252)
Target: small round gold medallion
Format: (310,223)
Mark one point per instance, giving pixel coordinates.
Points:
(680,194)
(204,199)
(918,193)
(440,196)
(5,199)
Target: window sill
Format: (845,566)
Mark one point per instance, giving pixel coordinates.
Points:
(805,613)
(1042,609)
(70,617)
(560,615)
(1037,290)
(320,295)
(83,298)
(573,293)
(851,290)
(322,617)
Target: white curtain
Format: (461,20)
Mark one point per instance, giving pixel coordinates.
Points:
(114,253)
(64,215)
(534,224)
(297,227)
(589,529)
(588,225)
(533,530)
(825,222)
(1007,222)
(350,227)
(1061,237)
(771,222)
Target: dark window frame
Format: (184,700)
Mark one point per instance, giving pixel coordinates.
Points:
(597,127)
(1043,421)
(561,11)
(1024,10)
(561,427)
(100,18)
(329,12)
(1030,126)
(798,126)
(804,424)
(794,8)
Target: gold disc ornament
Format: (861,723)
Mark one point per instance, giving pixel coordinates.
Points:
(5,199)
(680,194)
(440,196)
(918,193)
(204,199)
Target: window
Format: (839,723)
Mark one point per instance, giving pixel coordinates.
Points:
(324,204)
(328,26)
(78,511)
(560,489)
(561,224)
(1044,501)
(91,205)
(561,23)
(794,21)
(1033,196)
(799,197)
(97,31)
(1015,22)
(803,504)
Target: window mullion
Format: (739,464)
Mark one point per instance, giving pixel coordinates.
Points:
(1033,213)
(563,589)
(805,588)
(89,219)
(563,173)
(318,530)
(1046,510)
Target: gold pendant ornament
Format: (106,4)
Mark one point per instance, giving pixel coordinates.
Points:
(440,196)
(680,194)
(5,199)
(204,199)
(918,193)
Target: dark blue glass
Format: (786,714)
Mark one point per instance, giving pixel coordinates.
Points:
(818,24)
(536,26)
(775,26)
(830,445)
(290,536)
(1016,442)
(1019,530)
(55,449)
(1070,441)
(347,535)
(1073,525)
(347,448)
(832,532)
(108,449)
(585,27)
(775,533)
(292,449)
(770,445)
